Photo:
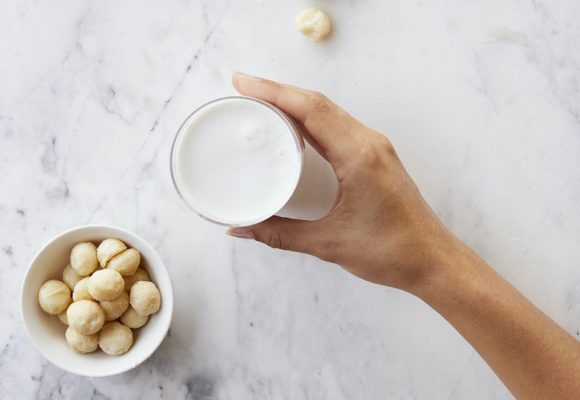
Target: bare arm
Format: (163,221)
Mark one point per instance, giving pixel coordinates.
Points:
(534,357)
(382,230)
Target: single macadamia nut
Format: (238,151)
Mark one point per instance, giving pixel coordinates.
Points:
(62,317)
(81,290)
(106,284)
(115,308)
(115,338)
(313,24)
(145,298)
(83,258)
(125,263)
(108,249)
(70,277)
(133,319)
(85,316)
(81,343)
(139,275)
(54,297)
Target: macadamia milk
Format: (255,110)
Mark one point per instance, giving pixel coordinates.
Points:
(237,160)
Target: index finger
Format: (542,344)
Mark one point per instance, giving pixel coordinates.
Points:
(327,124)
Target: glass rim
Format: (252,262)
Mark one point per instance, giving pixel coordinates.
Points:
(293,129)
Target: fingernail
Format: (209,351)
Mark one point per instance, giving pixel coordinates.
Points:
(243,75)
(242,233)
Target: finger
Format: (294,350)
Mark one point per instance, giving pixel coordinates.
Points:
(308,137)
(328,124)
(283,233)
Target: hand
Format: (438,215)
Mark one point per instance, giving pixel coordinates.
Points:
(380,228)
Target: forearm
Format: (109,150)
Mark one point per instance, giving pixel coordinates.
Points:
(534,357)
(382,230)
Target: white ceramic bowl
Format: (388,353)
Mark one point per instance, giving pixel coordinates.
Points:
(47,333)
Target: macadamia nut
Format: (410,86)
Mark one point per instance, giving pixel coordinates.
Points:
(133,319)
(115,339)
(100,306)
(108,249)
(62,317)
(145,298)
(54,297)
(313,24)
(106,284)
(81,290)
(70,277)
(115,308)
(81,343)
(83,258)
(139,275)
(125,263)
(85,316)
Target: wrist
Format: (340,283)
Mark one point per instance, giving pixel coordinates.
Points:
(449,273)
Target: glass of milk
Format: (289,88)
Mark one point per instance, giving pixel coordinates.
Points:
(236,161)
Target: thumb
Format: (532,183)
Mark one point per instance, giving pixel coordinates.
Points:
(282,233)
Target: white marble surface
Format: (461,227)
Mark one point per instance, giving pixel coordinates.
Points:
(482,100)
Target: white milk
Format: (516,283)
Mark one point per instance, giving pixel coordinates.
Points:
(236,161)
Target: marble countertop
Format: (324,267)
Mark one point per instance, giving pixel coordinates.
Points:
(481,99)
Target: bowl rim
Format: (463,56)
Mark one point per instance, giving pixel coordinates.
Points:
(168,301)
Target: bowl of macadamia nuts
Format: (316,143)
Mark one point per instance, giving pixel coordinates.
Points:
(97,300)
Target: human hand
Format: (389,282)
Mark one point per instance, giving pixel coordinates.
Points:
(380,228)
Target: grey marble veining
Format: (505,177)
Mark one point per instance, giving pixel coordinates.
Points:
(482,101)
